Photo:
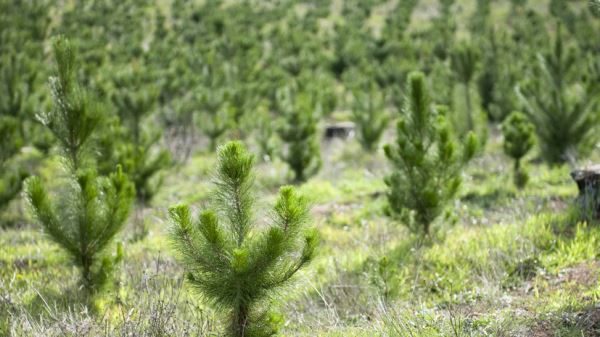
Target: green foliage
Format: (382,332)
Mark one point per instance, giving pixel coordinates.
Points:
(90,210)
(265,132)
(134,99)
(319,89)
(518,140)
(498,75)
(229,262)
(443,30)
(21,54)
(580,24)
(369,116)
(480,18)
(385,277)
(464,62)
(442,91)
(396,24)
(10,185)
(85,220)
(518,3)
(427,162)
(10,145)
(143,165)
(136,146)
(595,7)
(565,115)
(184,73)
(15,85)
(180,131)
(216,115)
(298,131)
(20,58)
(74,114)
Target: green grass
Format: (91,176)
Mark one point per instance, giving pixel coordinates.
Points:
(504,261)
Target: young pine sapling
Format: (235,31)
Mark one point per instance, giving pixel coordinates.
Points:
(299,133)
(369,116)
(10,144)
(464,60)
(265,132)
(231,263)
(518,140)
(566,120)
(216,114)
(138,151)
(427,162)
(90,210)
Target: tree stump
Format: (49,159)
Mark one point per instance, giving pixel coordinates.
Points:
(341,130)
(588,182)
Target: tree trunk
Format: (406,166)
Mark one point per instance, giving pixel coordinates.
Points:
(470,123)
(240,322)
(588,183)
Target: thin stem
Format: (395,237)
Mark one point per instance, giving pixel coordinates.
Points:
(470,123)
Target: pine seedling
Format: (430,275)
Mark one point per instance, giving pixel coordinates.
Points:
(178,117)
(90,210)
(385,277)
(321,89)
(444,28)
(560,10)
(13,90)
(10,145)
(265,136)
(74,115)
(138,151)
(11,142)
(229,261)
(369,116)
(427,162)
(143,166)
(299,133)
(398,20)
(216,115)
(498,75)
(595,8)
(215,99)
(132,142)
(464,61)
(581,24)
(19,74)
(14,85)
(518,140)
(566,121)
(480,18)
(101,206)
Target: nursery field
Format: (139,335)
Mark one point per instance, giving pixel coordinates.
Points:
(300,168)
